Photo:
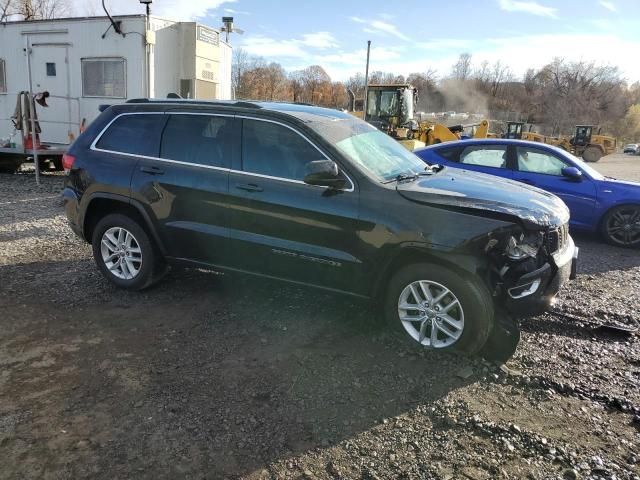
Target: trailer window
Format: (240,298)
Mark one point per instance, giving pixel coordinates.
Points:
(3,78)
(104,77)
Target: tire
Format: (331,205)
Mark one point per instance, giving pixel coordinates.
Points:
(43,164)
(592,154)
(140,254)
(57,164)
(474,307)
(620,226)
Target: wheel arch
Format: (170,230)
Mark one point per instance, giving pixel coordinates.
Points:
(102,204)
(462,264)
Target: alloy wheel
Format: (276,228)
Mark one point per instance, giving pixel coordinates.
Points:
(431,314)
(623,227)
(121,253)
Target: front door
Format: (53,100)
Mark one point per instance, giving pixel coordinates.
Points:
(280,226)
(543,169)
(50,73)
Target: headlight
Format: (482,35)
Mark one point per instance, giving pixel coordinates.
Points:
(519,248)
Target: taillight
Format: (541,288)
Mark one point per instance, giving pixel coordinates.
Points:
(67,161)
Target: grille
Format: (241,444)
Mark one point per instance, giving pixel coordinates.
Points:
(557,238)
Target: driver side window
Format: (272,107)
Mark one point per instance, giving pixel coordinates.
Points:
(537,161)
(272,149)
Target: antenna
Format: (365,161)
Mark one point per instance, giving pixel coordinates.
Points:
(227,26)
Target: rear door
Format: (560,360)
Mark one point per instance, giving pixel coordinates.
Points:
(282,227)
(185,186)
(543,169)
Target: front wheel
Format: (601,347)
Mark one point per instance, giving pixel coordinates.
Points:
(592,154)
(621,226)
(438,309)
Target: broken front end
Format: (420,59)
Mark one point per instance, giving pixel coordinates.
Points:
(528,268)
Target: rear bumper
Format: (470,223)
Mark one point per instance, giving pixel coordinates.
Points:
(71,209)
(536,291)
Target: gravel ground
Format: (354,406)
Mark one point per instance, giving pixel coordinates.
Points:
(216,376)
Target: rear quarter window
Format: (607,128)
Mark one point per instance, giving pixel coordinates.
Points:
(136,134)
(452,153)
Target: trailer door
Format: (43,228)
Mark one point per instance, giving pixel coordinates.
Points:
(50,72)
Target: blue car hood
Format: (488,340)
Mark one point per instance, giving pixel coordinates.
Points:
(452,188)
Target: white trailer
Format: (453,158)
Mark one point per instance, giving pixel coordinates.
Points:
(84,62)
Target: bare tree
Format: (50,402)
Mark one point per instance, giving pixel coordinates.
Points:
(314,78)
(461,70)
(34,9)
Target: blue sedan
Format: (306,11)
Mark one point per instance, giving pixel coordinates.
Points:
(597,203)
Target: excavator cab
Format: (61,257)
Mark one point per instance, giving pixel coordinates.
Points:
(514,130)
(582,137)
(391,108)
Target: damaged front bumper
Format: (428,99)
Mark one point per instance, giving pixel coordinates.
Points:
(534,292)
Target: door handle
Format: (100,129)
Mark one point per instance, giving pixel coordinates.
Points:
(249,187)
(152,170)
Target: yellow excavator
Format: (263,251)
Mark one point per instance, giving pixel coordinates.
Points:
(584,143)
(391,108)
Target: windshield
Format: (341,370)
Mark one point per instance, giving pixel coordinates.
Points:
(380,155)
(382,103)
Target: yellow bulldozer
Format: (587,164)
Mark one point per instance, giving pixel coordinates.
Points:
(584,143)
(391,108)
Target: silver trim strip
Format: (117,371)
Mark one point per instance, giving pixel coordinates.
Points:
(533,287)
(211,167)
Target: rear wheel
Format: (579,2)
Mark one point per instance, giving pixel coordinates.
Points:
(621,226)
(592,154)
(125,254)
(436,308)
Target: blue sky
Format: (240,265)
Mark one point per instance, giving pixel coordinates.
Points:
(421,35)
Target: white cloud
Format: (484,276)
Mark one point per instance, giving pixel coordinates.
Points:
(319,40)
(608,5)
(231,11)
(269,48)
(531,7)
(172,9)
(378,26)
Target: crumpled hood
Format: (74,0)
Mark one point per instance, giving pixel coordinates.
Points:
(453,188)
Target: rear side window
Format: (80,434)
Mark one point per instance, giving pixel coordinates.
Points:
(198,139)
(487,156)
(451,154)
(135,134)
(275,150)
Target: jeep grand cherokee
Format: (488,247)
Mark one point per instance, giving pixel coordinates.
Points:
(318,197)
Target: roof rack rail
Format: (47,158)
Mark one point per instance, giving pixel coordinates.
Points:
(186,101)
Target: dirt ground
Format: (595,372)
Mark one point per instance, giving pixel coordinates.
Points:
(213,376)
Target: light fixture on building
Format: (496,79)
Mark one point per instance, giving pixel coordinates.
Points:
(146,3)
(227,26)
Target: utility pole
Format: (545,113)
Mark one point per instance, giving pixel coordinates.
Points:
(366,82)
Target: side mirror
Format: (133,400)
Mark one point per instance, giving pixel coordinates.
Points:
(324,173)
(572,172)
